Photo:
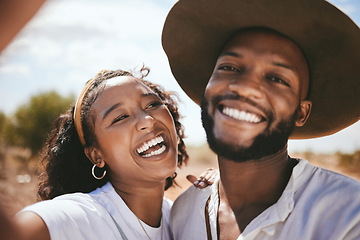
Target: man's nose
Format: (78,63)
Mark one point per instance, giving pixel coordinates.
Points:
(144,121)
(249,86)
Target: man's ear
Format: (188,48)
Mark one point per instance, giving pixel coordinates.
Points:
(95,156)
(303,113)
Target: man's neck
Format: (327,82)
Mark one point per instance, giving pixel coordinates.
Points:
(248,188)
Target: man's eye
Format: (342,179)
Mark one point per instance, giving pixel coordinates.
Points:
(229,68)
(278,80)
(119,118)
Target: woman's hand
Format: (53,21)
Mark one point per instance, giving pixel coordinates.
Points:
(206,178)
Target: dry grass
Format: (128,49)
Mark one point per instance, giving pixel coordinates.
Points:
(16,191)
(15,195)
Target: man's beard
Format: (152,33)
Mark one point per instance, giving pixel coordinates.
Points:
(267,143)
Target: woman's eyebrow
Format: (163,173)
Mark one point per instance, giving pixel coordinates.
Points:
(147,94)
(111,109)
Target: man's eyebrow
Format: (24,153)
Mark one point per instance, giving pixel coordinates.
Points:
(232,54)
(279,64)
(111,109)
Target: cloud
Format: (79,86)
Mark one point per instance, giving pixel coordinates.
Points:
(21,70)
(349,7)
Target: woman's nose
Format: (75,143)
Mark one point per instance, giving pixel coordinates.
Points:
(145,121)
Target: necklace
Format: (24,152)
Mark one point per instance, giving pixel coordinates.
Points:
(145,230)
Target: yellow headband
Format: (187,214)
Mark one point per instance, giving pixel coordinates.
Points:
(77,111)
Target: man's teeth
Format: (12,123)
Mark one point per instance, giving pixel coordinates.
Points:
(151,143)
(241,115)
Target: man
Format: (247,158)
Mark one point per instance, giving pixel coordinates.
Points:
(262,66)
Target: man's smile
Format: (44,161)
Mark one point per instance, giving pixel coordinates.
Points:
(240,114)
(241,110)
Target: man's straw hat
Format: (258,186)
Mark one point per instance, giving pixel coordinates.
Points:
(195,32)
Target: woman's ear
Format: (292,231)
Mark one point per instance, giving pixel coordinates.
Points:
(95,156)
(303,113)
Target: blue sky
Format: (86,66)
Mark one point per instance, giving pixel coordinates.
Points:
(69,41)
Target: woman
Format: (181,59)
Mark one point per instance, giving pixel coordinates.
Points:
(109,160)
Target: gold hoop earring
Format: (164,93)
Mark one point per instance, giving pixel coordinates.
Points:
(93,173)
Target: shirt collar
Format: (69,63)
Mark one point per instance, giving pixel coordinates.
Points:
(284,206)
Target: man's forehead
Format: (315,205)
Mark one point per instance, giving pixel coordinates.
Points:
(263,41)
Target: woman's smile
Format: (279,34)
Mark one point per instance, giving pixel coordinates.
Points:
(152,147)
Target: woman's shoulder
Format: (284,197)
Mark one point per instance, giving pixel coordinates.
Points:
(167,202)
(75,205)
(49,209)
(75,215)
(166,206)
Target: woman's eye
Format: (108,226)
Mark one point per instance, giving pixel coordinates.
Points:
(154,104)
(229,68)
(119,118)
(278,80)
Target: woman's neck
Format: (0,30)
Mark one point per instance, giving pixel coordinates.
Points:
(144,202)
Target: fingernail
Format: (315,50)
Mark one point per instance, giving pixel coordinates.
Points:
(196,182)
(202,184)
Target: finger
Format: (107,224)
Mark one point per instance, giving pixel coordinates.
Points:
(206,172)
(192,179)
(197,182)
(211,176)
(202,182)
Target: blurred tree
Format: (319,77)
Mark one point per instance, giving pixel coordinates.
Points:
(31,123)
(2,127)
(2,130)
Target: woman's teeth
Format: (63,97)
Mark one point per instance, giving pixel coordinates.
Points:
(156,152)
(151,143)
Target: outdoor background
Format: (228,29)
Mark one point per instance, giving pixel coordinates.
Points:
(68,41)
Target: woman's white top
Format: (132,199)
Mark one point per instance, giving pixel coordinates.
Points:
(87,216)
